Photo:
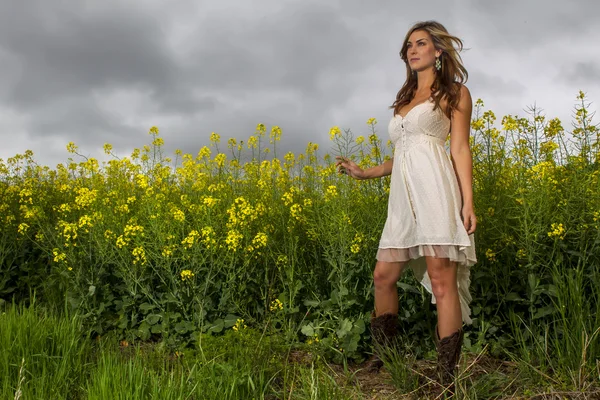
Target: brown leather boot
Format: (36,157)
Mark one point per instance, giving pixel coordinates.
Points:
(384,330)
(448,350)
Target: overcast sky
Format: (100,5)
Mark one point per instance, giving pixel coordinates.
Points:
(96,71)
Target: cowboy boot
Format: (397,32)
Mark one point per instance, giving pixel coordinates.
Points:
(448,350)
(384,330)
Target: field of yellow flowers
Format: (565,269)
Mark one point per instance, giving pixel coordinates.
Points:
(157,247)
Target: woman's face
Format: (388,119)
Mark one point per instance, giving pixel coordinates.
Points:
(420,52)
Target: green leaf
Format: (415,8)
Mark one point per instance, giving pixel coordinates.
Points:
(311,303)
(230,320)
(145,307)
(512,296)
(345,327)
(551,290)
(359,327)
(407,288)
(308,330)
(217,326)
(152,319)
(542,312)
(143,331)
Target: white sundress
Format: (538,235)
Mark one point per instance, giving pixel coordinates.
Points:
(425,202)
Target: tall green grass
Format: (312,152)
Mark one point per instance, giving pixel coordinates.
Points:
(41,356)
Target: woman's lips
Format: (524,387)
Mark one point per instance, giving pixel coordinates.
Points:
(414,59)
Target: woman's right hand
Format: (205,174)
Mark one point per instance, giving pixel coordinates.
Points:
(349,167)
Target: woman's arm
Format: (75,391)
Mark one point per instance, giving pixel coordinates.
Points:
(462,160)
(350,168)
(378,171)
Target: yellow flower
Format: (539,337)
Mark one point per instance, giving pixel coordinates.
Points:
(233,240)
(276,305)
(239,324)
(360,140)
(23,227)
(186,274)
(275,134)
(139,255)
(490,254)
(331,192)
(333,132)
(557,231)
(190,239)
(107,148)
(252,142)
(296,211)
(260,240)
(215,138)
(204,153)
(71,148)
(153,131)
(209,201)
(371,121)
(220,159)
(58,255)
(178,215)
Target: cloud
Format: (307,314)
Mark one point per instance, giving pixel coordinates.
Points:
(95,72)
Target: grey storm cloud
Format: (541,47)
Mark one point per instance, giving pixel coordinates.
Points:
(95,72)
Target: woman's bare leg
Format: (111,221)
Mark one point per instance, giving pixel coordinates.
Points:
(442,273)
(385,276)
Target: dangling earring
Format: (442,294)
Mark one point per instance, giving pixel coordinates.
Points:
(438,63)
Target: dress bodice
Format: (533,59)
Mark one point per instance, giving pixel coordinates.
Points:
(420,124)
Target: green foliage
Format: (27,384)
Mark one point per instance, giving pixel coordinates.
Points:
(157,250)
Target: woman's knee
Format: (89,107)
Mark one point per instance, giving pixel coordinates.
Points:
(442,284)
(443,279)
(387,273)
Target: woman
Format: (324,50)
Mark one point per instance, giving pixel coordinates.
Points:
(430,221)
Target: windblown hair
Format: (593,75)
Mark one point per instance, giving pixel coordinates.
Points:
(448,79)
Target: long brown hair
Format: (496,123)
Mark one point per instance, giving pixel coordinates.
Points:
(447,79)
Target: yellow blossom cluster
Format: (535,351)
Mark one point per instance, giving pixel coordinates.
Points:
(239,325)
(186,274)
(233,240)
(276,305)
(85,197)
(334,132)
(241,213)
(356,243)
(557,230)
(296,212)
(177,214)
(313,339)
(68,231)
(288,197)
(490,255)
(331,192)
(139,255)
(208,237)
(58,255)
(190,239)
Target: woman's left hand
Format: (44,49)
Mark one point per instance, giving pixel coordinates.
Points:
(469,219)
